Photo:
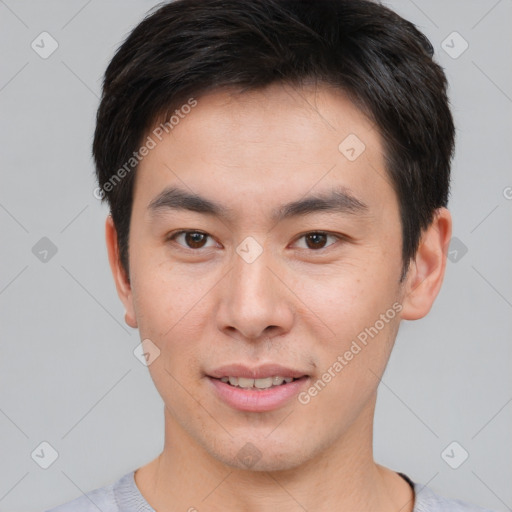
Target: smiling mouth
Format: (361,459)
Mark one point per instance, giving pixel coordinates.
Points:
(258,384)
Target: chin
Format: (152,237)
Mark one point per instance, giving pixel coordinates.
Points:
(259,454)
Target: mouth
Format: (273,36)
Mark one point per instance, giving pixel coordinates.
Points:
(257,384)
(258,389)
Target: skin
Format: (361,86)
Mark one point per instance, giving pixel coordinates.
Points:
(298,305)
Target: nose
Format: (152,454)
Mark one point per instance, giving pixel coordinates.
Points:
(256,304)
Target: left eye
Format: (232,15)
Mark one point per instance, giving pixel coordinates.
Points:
(317,239)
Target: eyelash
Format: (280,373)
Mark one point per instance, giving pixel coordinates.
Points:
(173,236)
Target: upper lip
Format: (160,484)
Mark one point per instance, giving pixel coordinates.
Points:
(255,372)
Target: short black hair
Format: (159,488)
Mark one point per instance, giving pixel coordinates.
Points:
(381,61)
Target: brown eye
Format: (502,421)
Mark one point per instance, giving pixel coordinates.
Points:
(191,239)
(195,240)
(316,240)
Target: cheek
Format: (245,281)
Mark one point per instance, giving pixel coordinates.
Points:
(349,370)
(348,297)
(173,311)
(165,299)
(171,315)
(357,313)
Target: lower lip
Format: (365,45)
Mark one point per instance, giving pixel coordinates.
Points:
(257,401)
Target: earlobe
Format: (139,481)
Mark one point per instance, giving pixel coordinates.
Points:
(122,283)
(426,271)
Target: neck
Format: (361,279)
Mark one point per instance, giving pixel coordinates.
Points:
(342,476)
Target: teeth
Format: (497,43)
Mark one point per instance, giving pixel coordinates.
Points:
(265,383)
(244,383)
(277,381)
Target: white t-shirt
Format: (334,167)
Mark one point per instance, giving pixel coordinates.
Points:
(124,496)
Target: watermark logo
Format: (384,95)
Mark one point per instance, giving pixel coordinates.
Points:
(352,147)
(344,359)
(151,142)
(44,250)
(248,455)
(454,455)
(249,250)
(457,250)
(454,45)
(44,455)
(44,45)
(146,352)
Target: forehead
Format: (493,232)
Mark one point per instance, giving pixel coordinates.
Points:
(266,145)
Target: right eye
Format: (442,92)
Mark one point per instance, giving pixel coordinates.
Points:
(192,239)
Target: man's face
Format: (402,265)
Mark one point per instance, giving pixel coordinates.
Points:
(262,285)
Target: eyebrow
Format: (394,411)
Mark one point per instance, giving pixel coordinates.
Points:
(339,200)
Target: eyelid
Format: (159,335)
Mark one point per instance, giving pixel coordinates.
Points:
(339,237)
(172,236)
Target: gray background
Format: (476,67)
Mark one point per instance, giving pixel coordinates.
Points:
(68,375)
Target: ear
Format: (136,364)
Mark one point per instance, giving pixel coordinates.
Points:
(123,286)
(426,271)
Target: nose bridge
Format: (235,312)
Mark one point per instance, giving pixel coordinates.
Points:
(254,299)
(251,278)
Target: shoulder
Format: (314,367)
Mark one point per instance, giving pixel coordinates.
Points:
(102,498)
(426,500)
